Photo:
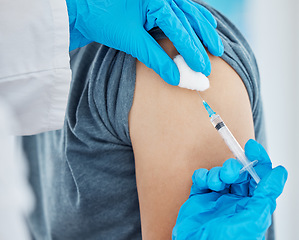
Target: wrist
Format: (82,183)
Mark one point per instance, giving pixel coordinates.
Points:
(72,12)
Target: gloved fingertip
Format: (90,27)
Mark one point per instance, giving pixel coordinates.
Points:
(172,75)
(175,80)
(252,149)
(198,60)
(205,68)
(199,178)
(213,179)
(273,183)
(216,186)
(283,172)
(208,69)
(214,23)
(255,151)
(230,171)
(220,48)
(217,49)
(197,66)
(251,141)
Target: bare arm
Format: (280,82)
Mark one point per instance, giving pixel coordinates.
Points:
(172,136)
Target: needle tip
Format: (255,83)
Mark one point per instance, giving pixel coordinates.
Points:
(200,96)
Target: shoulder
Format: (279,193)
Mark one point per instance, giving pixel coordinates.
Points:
(162,108)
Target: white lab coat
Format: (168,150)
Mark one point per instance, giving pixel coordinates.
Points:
(34,62)
(16,195)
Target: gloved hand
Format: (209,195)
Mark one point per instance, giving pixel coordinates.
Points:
(226,205)
(123,25)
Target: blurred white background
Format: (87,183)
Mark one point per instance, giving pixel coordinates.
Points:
(272,29)
(275,36)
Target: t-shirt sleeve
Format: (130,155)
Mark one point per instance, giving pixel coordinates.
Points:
(97,142)
(107,77)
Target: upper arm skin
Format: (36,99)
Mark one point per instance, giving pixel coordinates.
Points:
(172,136)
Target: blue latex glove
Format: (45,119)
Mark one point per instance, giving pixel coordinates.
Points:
(226,205)
(123,25)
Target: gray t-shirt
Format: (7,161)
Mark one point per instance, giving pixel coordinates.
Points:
(83,175)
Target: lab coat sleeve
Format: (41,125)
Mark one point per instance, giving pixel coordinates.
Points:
(34,63)
(17,197)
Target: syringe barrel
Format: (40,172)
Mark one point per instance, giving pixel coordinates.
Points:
(233,145)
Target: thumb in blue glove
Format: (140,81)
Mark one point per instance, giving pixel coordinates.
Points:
(215,210)
(244,217)
(123,25)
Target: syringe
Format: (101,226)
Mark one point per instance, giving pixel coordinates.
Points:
(231,142)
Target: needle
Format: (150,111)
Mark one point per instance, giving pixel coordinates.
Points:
(200,96)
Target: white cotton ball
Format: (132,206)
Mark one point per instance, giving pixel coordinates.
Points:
(190,79)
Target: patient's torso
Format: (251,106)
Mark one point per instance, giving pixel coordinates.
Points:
(83,176)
